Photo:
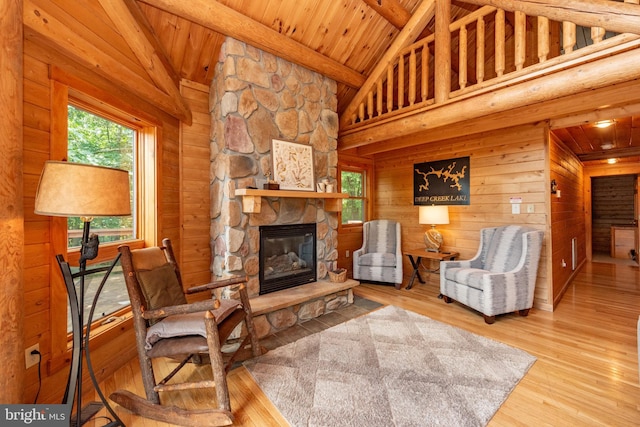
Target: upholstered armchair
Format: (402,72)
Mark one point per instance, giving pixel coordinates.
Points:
(501,277)
(380,257)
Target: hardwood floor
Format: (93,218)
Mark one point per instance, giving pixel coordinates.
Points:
(586,373)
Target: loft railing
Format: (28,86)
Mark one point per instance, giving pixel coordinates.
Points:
(527,47)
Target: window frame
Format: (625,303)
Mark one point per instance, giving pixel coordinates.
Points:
(146,221)
(367,170)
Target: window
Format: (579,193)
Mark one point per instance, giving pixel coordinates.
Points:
(99,141)
(352,182)
(109,138)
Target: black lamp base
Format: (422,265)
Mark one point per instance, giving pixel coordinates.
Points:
(88,412)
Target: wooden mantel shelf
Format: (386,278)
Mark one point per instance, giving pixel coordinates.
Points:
(252,198)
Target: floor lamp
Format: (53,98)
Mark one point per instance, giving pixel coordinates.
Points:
(77,190)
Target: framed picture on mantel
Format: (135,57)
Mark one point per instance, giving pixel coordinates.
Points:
(293,165)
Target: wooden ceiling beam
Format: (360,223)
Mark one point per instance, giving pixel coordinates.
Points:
(61,38)
(136,31)
(596,115)
(610,154)
(222,19)
(391,10)
(611,15)
(423,14)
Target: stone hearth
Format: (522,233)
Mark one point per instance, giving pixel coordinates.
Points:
(280,310)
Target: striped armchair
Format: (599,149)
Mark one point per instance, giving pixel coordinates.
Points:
(380,257)
(501,278)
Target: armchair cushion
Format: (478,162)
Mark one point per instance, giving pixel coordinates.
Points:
(379,259)
(382,237)
(471,276)
(505,249)
(179,325)
(160,287)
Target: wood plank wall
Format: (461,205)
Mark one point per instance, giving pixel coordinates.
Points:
(39,254)
(567,220)
(506,163)
(11,208)
(195,212)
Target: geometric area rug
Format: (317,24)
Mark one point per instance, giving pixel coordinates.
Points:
(390,367)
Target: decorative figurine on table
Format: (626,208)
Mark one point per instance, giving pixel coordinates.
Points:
(270,184)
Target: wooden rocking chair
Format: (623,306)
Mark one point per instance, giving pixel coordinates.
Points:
(167,326)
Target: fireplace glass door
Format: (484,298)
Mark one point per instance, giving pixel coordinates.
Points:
(287,256)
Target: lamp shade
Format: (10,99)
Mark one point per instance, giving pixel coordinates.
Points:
(434,215)
(75,189)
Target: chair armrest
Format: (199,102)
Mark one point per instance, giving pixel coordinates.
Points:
(217,284)
(195,307)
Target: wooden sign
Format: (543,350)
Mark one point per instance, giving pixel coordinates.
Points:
(444,182)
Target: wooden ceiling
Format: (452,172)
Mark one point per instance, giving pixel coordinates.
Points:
(353,33)
(343,39)
(620,140)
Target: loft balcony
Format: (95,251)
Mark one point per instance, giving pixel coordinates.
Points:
(490,61)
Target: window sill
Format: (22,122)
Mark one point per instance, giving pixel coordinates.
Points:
(100,336)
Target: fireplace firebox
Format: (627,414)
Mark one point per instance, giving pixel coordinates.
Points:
(287,256)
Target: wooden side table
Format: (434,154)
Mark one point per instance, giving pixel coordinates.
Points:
(415,257)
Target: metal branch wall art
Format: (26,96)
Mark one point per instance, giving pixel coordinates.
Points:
(444,182)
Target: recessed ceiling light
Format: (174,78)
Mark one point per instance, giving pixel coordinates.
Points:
(612,161)
(607,146)
(603,123)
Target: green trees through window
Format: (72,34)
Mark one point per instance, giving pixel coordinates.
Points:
(98,141)
(352,183)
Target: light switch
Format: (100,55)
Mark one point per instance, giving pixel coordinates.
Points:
(515,209)
(530,209)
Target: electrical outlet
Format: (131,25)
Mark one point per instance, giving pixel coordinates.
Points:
(347,254)
(530,209)
(31,359)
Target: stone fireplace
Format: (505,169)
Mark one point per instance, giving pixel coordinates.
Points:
(256,97)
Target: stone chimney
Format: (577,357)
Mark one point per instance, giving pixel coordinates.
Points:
(256,97)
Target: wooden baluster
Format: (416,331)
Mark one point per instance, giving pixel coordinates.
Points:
(361,112)
(425,71)
(462,57)
(543,38)
(480,39)
(499,51)
(520,39)
(568,36)
(401,82)
(597,34)
(354,119)
(379,97)
(442,71)
(370,104)
(390,88)
(412,77)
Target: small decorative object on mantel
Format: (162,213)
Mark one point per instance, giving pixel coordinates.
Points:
(270,184)
(324,186)
(338,276)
